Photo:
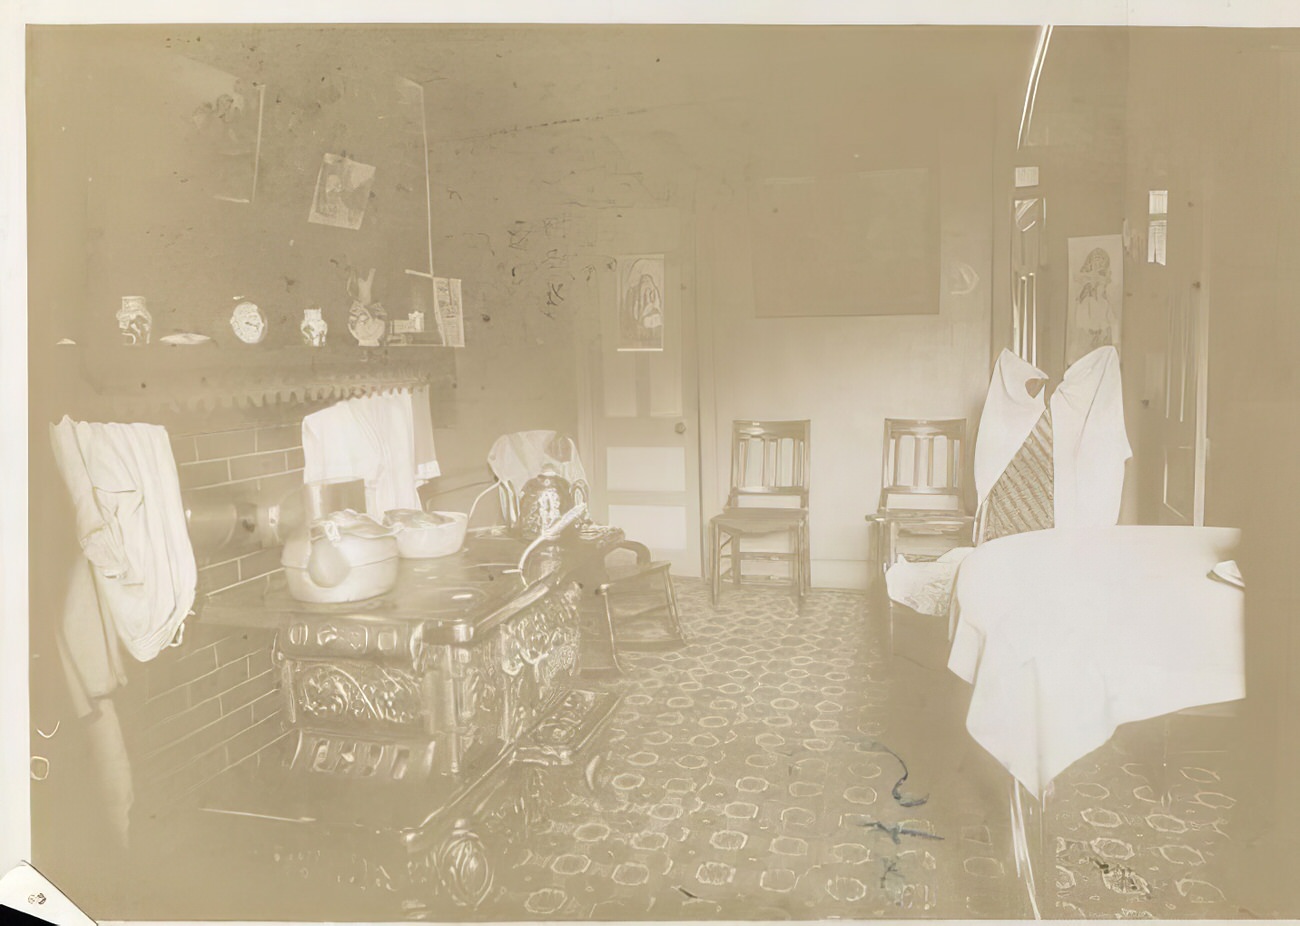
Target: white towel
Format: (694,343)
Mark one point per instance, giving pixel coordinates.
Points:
(1089,441)
(131,526)
(426,459)
(372,438)
(336,447)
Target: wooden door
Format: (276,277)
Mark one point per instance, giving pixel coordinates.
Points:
(1184,445)
(641,419)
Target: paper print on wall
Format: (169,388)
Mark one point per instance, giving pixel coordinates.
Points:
(1096,294)
(223,120)
(342,190)
(446,293)
(641,303)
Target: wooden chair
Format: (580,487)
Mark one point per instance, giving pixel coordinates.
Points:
(922,488)
(769,465)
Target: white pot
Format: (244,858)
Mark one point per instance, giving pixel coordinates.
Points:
(420,536)
(363,560)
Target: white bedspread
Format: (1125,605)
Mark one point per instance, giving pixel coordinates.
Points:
(1068,633)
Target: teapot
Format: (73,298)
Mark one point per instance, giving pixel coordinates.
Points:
(547,497)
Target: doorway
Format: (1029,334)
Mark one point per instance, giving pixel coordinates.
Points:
(640,427)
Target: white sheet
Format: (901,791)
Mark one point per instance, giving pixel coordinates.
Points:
(1089,442)
(1068,633)
(1089,439)
(925,587)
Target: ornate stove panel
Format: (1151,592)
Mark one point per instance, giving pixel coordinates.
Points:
(352,681)
(362,757)
(356,694)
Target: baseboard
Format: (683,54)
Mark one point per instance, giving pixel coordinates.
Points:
(847,574)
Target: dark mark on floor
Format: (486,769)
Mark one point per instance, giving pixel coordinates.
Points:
(895,831)
(896,791)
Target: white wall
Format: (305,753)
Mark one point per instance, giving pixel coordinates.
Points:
(849,374)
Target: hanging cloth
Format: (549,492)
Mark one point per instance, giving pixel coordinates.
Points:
(131,526)
(1043,463)
(1011,412)
(373,438)
(1022,499)
(1091,443)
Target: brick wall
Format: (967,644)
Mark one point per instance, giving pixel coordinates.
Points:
(260,464)
(206,707)
(214,701)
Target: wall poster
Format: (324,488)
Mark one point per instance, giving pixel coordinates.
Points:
(641,303)
(1095,295)
(342,191)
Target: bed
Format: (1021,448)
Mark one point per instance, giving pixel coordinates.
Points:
(1066,634)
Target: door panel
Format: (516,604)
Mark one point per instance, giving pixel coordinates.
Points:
(644,403)
(1183,429)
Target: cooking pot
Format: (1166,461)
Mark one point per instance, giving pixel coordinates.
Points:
(344,556)
(427,535)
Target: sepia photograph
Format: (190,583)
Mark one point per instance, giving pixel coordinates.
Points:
(342,189)
(641,309)
(1096,295)
(469,467)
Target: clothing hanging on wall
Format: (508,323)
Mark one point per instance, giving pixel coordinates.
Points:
(374,438)
(132,529)
(1090,441)
(1022,498)
(1080,430)
(87,642)
(426,458)
(517,458)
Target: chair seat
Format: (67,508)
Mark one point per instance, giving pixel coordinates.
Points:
(616,574)
(912,516)
(759,520)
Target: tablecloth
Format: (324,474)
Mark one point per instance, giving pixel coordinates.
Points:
(1067,633)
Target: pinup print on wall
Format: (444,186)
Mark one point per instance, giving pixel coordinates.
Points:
(641,302)
(223,127)
(342,189)
(450,313)
(1096,294)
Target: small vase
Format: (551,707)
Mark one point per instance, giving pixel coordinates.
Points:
(313,328)
(134,320)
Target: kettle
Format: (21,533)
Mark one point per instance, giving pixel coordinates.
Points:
(344,556)
(546,498)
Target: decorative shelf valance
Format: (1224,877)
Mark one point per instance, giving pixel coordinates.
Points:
(200,379)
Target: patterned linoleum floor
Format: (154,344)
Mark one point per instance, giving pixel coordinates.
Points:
(782,766)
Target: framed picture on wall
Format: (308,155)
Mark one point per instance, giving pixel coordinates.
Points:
(1094,309)
(861,243)
(342,191)
(222,119)
(641,309)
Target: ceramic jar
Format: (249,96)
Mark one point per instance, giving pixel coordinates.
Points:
(134,320)
(313,328)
